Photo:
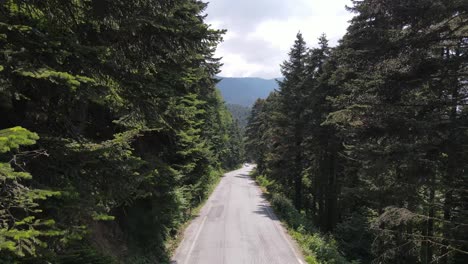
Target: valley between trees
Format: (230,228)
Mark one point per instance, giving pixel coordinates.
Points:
(366,143)
(112,132)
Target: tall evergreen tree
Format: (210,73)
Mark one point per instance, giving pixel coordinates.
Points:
(393,98)
(286,157)
(321,143)
(122,95)
(381,121)
(21,228)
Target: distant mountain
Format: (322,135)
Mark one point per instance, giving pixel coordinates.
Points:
(239,113)
(245,91)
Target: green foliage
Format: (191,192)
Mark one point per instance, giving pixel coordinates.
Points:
(72,81)
(240,114)
(122,94)
(13,138)
(286,210)
(21,231)
(368,139)
(264,182)
(85,254)
(318,249)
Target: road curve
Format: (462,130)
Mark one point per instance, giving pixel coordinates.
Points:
(237,226)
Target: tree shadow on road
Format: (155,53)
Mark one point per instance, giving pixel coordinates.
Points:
(266,211)
(243,176)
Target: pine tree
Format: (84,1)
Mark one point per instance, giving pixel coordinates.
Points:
(392,106)
(21,228)
(254,144)
(286,158)
(122,95)
(321,144)
(382,125)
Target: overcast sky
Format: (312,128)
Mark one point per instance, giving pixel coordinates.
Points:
(261,32)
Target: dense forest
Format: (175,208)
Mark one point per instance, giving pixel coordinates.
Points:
(111,128)
(368,140)
(240,114)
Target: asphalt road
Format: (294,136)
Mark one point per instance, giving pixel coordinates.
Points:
(237,226)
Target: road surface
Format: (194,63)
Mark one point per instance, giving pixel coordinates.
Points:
(237,226)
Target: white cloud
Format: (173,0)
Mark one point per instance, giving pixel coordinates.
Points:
(283,33)
(261,32)
(238,66)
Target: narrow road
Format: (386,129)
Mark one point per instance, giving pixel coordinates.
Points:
(237,226)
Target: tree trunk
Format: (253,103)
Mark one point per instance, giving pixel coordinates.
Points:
(452,158)
(428,231)
(331,194)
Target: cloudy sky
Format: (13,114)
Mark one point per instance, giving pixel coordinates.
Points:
(261,32)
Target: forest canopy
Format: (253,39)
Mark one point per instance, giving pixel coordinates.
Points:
(368,139)
(111,128)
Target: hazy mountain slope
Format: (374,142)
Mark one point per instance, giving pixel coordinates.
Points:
(245,91)
(239,113)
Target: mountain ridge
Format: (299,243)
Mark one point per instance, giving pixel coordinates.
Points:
(245,90)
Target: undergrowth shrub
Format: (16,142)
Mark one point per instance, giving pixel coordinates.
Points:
(264,182)
(284,208)
(318,248)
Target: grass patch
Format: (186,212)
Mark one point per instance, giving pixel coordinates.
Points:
(173,242)
(317,248)
(264,183)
